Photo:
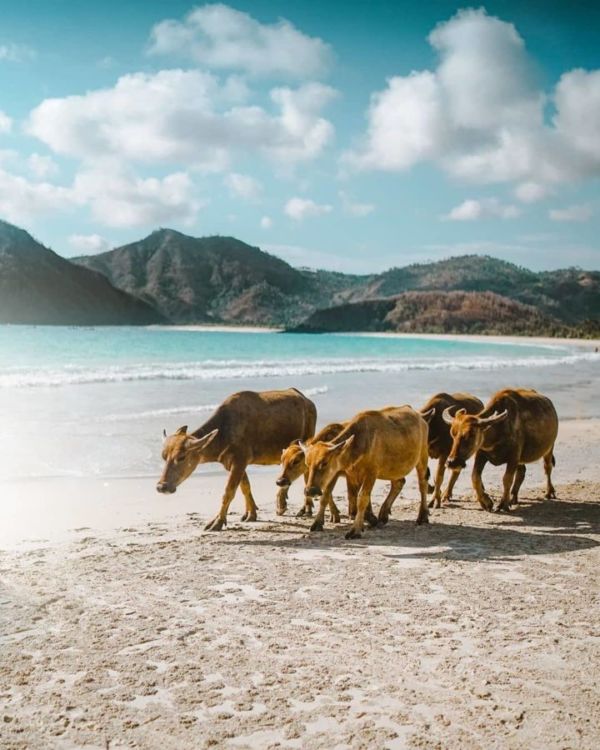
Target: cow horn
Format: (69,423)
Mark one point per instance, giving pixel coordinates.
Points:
(449,418)
(344,444)
(164,434)
(495,417)
(182,430)
(303,446)
(428,414)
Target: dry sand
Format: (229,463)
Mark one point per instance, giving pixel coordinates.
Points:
(477,631)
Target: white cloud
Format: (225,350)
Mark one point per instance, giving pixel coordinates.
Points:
(120,199)
(480,114)
(218,36)
(42,166)
(531,192)
(243,186)
(266,222)
(89,244)
(355,209)
(16,53)
(5,122)
(21,200)
(581,212)
(304,208)
(185,117)
(472,209)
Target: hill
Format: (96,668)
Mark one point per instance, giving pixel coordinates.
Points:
(37,286)
(437,312)
(216,280)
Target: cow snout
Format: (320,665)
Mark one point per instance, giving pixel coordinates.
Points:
(312,491)
(282,482)
(455,463)
(164,488)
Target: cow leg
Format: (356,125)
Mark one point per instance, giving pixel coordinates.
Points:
(483,498)
(235,477)
(549,462)
(352,496)
(250,514)
(436,500)
(423,516)
(281,501)
(306,509)
(319,522)
(507,482)
(519,477)
(334,511)
(386,507)
(447,496)
(364,500)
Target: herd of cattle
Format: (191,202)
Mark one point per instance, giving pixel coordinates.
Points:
(516,427)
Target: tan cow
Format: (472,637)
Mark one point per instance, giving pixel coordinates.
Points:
(248,428)
(384,444)
(517,427)
(439,440)
(293,466)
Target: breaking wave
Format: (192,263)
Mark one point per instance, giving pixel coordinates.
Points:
(242,369)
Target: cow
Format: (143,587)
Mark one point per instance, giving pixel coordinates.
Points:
(293,466)
(516,427)
(383,444)
(440,442)
(247,428)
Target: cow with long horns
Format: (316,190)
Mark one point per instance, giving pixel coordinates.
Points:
(517,427)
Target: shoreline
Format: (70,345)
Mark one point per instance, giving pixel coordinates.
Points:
(478,337)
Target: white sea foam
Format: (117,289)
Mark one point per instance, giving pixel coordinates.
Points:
(242,369)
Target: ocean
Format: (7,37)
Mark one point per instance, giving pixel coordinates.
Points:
(92,402)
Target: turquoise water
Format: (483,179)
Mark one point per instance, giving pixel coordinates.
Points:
(88,402)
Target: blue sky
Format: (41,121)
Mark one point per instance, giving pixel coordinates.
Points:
(353,135)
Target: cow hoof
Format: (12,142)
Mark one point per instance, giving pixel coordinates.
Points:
(551,495)
(382,521)
(335,518)
(422,518)
(487,503)
(249,517)
(281,509)
(502,507)
(301,513)
(317,525)
(353,534)
(373,521)
(215,525)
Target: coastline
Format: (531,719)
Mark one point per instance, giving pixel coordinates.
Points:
(492,338)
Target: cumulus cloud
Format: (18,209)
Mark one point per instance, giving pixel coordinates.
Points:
(88,244)
(480,114)
(20,200)
(218,36)
(581,212)
(266,222)
(472,209)
(5,123)
(243,186)
(42,166)
(119,198)
(182,116)
(304,208)
(353,208)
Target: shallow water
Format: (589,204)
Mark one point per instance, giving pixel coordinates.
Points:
(93,401)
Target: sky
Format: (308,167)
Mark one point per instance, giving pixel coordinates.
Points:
(350,135)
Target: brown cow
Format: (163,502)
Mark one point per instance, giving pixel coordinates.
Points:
(293,466)
(384,444)
(440,441)
(516,428)
(248,428)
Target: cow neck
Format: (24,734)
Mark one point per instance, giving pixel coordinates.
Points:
(208,426)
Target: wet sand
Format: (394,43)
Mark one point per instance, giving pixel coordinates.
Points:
(138,629)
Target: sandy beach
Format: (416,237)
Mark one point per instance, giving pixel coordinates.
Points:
(127,625)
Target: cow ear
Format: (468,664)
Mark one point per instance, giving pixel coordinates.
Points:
(197,444)
(182,430)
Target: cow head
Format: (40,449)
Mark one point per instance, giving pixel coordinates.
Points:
(468,432)
(293,465)
(323,462)
(181,454)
